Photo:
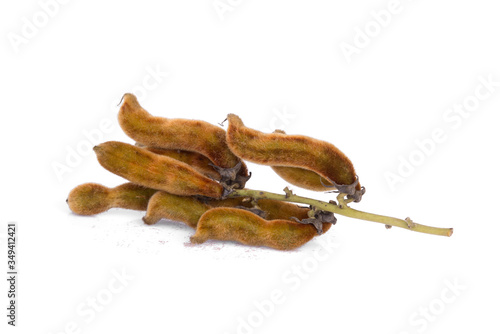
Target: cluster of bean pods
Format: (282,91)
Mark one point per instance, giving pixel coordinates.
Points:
(191,171)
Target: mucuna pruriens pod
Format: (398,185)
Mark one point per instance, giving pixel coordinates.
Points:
(180,134)
(250,229)
(155,171)
(197,161)
(280,149)
(92,198)
(188,209)
(303,178)
(282,210)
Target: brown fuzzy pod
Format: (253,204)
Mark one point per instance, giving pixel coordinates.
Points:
(186,209)
(248,228)
(230,202)
(179,134)
(155,171)
(197,161)
(278,149)
(303,178)
(282,210)
(92,198)
(269,209)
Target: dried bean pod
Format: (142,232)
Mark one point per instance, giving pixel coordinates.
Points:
(180,134)
(280,149)
(193,159)
(282,210)
(269,209)
(187,209)
(155,171)
(93,198)
(249,229)
(274,209)
(303,178)
(230,202)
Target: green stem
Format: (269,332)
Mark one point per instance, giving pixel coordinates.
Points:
(343,209)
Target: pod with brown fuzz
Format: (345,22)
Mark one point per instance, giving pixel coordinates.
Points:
(248,228)
(303,178)
(197,161)
(92,198)
(282,210)
(186,209)
(180,134)
(307,156)
(155,171)
(189,209)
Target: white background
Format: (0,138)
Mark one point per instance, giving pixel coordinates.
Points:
(258,59)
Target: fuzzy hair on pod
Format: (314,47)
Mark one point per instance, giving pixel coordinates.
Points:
(250,229)
(282,210)
(299,152)
(271,208)
(92,198)
(186,209)
(179,134)
(303,178)
(189,209)
(198,161)
(155,171)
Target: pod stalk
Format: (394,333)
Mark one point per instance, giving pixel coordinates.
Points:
(343,209)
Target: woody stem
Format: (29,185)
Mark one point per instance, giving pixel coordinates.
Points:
(342,209)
